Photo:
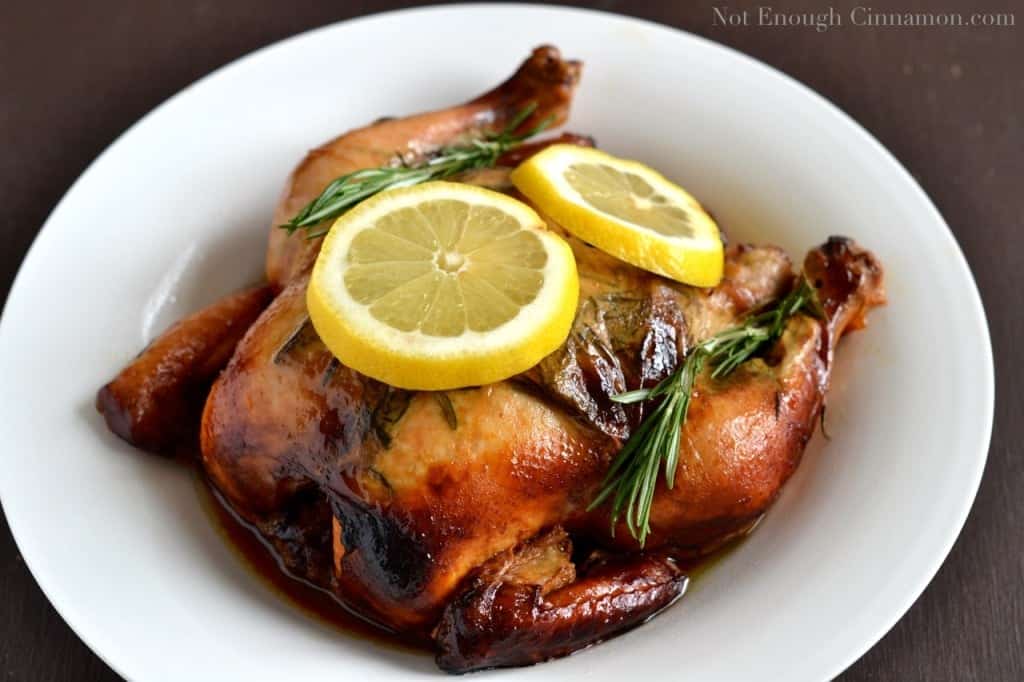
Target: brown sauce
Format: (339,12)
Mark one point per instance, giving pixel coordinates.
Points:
(319,604)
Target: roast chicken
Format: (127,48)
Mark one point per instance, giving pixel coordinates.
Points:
(460,518)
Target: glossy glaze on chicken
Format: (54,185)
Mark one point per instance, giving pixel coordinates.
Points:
(461,517)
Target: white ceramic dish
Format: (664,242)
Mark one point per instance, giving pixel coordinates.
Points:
(175,214)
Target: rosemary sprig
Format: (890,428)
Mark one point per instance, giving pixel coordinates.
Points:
(633,475)
(348,190)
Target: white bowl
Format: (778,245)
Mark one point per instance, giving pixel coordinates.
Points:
(175,214)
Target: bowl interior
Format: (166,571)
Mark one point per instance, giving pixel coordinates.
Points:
(176,213)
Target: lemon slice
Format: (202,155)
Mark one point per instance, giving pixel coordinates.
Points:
(625,209)
(442,285)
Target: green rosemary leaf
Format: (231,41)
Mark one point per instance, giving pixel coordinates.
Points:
(347,191)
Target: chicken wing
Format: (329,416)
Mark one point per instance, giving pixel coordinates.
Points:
(154,402)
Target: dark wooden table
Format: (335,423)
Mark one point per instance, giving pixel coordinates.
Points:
(948,102)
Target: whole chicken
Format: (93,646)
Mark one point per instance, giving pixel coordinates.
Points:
(461,517)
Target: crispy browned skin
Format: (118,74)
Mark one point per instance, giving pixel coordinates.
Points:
(154,402)
(545,79)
